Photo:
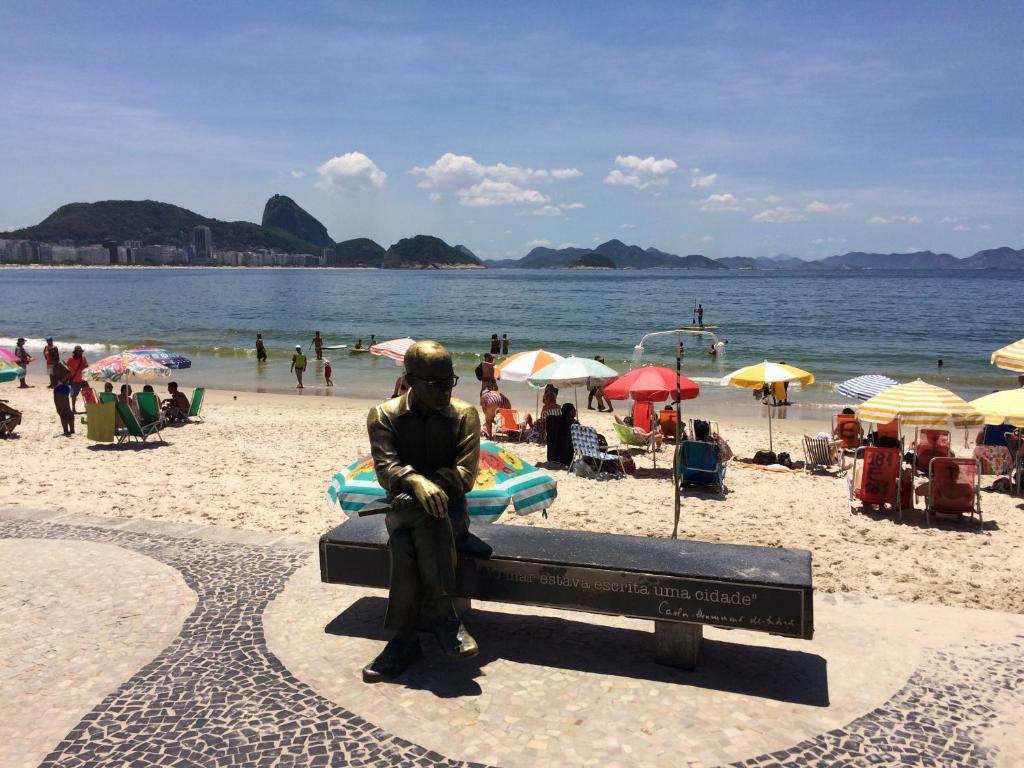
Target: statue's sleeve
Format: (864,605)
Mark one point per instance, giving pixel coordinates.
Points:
(467,453)
(386,464)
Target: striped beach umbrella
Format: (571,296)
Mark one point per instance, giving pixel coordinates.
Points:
(756,376)
(864,387)
(1006,407)
(165,357)
(522,365)
(9,371)
(394,349)
(574,372)
(919,404)
(504,479)
(1010,357)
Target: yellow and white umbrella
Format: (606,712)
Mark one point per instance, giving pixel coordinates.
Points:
(1006,407)
(919,404)
(1010,357)
(756,376)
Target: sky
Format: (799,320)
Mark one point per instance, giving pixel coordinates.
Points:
(728,129)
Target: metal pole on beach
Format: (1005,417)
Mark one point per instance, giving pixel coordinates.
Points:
(679,431)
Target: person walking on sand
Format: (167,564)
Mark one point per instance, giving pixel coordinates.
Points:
(23,358)
(261,350)
(52,356)
(598,392)
(318,343)
(77,365)
(298,365)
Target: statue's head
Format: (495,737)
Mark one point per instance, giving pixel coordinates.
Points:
(430,374)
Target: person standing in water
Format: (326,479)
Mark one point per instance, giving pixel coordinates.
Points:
(261,350)
(700,315)
(504,343)
(298,365)
(318,344)
(495,344)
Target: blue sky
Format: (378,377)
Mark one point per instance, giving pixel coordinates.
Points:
(745,129)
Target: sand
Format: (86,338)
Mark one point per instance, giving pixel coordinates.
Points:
(263,462)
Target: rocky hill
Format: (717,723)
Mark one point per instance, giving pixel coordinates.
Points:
(153,223)
(997,258)
(620,255)
(426,252)
(284,213)
(360,252)
(590,261)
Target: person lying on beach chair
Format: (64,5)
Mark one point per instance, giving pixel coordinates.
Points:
(176,406)
(10,419)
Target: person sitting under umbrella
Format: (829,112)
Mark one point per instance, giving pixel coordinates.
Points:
(176,406)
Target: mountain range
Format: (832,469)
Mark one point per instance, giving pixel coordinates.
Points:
(287,227)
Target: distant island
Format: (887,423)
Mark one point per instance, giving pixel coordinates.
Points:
(150,233)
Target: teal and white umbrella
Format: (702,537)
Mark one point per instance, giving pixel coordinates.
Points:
(504,479)
(574,372)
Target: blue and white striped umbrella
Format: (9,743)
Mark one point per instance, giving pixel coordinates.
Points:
(864,387)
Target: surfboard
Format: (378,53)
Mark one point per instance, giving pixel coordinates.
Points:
(358,351)
(336,346)
(698,328)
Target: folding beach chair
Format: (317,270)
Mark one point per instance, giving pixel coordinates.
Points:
(585,446)
(888,435)
(875,479)
(821,453)
(694,429)
(700,463)
(629,439)
(954,488)
(195,408)
(847,429)
(89,395)
(667,424)
(508,424)
(643,416)
(930,444)
(559,441)
(108,397)
(149,409)
(132,428)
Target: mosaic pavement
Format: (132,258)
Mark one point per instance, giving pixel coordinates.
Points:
(216,694)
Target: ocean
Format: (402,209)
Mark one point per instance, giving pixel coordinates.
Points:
(835,324)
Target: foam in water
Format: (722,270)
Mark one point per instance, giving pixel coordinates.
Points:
(64,345)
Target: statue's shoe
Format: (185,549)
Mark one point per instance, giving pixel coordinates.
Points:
(398,655)
(455,639)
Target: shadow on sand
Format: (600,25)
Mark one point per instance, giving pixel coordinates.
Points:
(771,673)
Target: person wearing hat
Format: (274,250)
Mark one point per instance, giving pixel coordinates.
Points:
(52,356)
(77,364)
(23,358)
(298,365)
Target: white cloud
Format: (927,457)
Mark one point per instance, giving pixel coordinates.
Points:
(573,206)
(490,193)
(949,219)
(707,238)
(539,244)
(915,220)
(508,231)
(565,173)
(984,226)
(723,202)
(878,220)
(627,226)
(350,172)
(297,174)
(569,245)
(895,220)
(548,210)
(699,180)
(817,206)
(772,199)
(435,197)
(824,240)
(640,172)
(961,228)
(779,215)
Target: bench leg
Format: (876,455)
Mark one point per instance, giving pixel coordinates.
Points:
(462,605)
(677,644)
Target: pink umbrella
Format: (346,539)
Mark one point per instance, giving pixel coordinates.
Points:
(394,349)
(9,357)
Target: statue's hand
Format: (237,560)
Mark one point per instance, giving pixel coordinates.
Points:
(430,495)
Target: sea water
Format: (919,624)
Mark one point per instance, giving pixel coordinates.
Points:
(836,324)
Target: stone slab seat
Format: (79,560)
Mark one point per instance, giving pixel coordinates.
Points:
(680,585)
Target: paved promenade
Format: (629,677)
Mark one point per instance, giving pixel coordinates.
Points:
(137,643)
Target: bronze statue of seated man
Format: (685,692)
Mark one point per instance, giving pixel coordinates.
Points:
(426,452)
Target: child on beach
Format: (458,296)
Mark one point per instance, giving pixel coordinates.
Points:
(62,400)
(327,372)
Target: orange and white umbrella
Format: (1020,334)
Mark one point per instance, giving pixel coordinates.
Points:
(522,365)
(394,349)
(919,404)
(1010,357)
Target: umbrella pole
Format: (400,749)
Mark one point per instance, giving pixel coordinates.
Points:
(771,448)
(675,453)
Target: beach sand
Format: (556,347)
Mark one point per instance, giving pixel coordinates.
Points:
(263,462)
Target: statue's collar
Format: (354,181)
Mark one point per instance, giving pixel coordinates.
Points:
(405,406)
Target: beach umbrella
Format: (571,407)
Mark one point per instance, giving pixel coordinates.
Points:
(504,479)
(1006,407)
(651,384)
(1010,357)
(394,349)
(756,376)
(863,387)
(9,371)
(523,365)
(573,372)
(165,357)
(9,357)
(919,404)
(125,364)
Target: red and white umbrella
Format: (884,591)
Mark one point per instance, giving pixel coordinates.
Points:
(394,349)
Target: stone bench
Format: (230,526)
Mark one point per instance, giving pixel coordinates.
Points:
(680,585)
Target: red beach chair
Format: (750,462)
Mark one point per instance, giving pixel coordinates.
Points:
(667,424)
(509,426)
(847,430)
(643,416)
(930,444)
(954,487)
(875,478)
(89,395)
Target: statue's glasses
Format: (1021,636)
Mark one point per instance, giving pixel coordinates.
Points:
(438,384)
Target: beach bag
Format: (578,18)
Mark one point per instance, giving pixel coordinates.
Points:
(785,460)
(479,371)
(628,465)
(764,458)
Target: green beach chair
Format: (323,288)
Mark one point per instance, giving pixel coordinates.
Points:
(132,428)
(629,439)
(108,397)
(197,405)
(149,409)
